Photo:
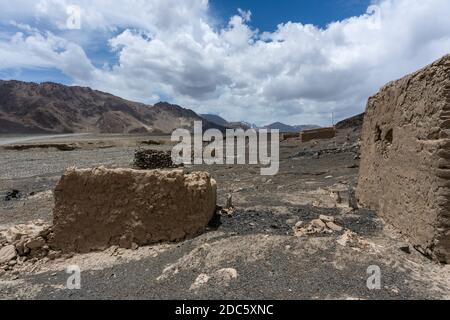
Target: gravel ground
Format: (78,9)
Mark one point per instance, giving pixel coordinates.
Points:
(252,254)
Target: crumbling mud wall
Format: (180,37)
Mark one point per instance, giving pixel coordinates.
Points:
(98,208)
(318,134)
(405,168)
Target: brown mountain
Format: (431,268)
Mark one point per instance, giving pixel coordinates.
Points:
(55,108)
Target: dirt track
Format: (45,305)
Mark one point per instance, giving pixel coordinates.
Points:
(257,241)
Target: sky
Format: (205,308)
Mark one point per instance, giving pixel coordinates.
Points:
(293,61)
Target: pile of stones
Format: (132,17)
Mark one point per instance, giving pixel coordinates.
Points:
(25,243)
(13,195)
(153,159)
(323,225)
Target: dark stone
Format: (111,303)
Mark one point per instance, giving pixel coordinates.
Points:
(13,194)
(406,249)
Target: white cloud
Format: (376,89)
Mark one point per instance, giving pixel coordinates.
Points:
(173,49)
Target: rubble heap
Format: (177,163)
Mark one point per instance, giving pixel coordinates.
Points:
(323,225)
(25,242)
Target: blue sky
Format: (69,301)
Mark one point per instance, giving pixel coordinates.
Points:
(293,61)
(267,14)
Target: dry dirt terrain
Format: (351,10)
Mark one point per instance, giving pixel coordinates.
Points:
(264,248)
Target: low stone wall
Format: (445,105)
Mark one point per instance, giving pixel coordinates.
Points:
(98,208)
(318,134)
(153,159)
(405,166)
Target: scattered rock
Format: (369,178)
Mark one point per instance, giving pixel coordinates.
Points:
(201,280)
(18,232)
(354,148)
(7,254)
(318,224)
(52,255)
(224,277)
(334,227)
(24,242)
(406,249)
(299,224)
(326,218)
(20,246)
(2,240)
(351,239)
(221,278)
(35,244)
(325,224)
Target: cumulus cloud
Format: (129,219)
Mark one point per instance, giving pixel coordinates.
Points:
(173,50)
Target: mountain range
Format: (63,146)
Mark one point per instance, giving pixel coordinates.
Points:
(27,107)
(55,108)
(284,128)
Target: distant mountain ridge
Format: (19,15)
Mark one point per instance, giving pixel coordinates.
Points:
(284,128)
(27,107)
(353,122)
(56,108)
(215,119)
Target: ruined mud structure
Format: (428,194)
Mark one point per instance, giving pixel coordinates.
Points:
(405,168)
(98,208)
(318,134)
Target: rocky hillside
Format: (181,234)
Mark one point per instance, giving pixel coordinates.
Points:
(215,119)
(353,122)
(55,108)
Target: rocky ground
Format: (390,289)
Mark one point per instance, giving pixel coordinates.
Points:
(291,236)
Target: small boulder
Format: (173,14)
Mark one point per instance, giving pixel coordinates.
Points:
(35,244)
(333,226)
(7,254)
(318,223)
(326,218)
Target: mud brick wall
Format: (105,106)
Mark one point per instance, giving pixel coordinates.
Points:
(98,208)
(405,166)
(318,134)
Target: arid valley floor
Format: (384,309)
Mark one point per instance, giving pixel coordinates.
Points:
(252,254)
